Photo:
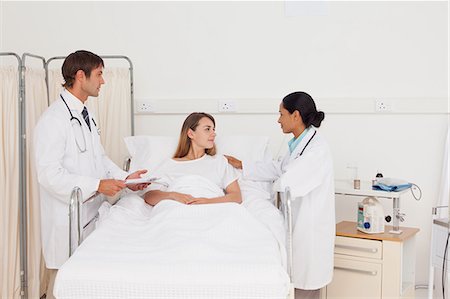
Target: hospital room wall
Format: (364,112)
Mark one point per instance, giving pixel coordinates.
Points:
(189,55)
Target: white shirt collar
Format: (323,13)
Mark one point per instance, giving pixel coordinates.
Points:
(72,101)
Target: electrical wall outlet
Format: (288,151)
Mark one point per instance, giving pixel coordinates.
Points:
(383,106)
(145,106)
(227,106)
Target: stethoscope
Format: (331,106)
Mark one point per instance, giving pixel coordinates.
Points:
(75,121)
(301,153)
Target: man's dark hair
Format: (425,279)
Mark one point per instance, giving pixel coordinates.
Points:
(79,60)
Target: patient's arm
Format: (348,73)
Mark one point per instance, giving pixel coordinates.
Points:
(232,194)
(154,196)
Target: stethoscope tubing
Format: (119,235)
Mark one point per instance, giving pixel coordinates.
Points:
(301,153)
(72,117)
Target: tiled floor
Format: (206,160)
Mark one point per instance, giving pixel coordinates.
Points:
(423,294)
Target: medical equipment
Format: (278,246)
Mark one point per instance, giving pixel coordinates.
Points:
(301,153)
(76,123)
(345,187)
(370,217)
(377,176)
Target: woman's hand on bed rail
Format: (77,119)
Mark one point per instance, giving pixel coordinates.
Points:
(236,163)
(137,175)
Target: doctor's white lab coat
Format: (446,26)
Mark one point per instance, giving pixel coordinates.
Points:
(311,180)
(61,166)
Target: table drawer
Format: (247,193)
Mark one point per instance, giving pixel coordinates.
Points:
(353,279)
(358,247)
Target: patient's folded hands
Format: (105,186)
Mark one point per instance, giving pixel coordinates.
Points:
(181,197)
(200,201)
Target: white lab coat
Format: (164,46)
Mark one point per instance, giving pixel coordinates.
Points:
(311,180)
(61,166)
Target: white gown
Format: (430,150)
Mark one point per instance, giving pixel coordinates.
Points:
(60,166)
(308,171)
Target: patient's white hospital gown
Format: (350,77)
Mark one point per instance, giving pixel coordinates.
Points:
(214,168)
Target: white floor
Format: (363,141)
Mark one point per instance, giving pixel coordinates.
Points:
(437,294)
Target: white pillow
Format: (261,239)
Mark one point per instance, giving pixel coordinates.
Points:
(253,148)
(148,152)
(248,148)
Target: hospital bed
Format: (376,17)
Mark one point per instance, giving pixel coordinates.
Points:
(178,251)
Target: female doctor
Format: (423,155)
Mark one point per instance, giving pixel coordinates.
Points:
(308,170)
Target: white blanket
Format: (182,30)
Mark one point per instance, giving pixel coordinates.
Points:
(180,251)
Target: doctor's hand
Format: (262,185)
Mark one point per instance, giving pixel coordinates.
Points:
(236,163)
(137,175)
(110,187)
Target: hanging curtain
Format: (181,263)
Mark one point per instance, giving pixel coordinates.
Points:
(9,184)
(112,108)
(55,81)
(36,103)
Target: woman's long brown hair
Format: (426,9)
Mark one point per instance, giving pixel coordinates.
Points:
(185,143)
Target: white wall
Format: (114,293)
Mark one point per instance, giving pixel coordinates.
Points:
(187,55)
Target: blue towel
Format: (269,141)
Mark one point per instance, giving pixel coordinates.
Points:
(391,188)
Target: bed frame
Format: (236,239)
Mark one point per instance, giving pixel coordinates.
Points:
(76,229)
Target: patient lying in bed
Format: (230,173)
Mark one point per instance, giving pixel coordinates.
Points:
(195,174)
(177,251)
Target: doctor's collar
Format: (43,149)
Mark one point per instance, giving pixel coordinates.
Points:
(73,102)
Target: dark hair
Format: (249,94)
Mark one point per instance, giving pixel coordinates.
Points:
(79,60)
(185,143)
(304,104)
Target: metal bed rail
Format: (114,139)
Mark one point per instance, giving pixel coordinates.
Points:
(284,204)
(76,227)
(75,210)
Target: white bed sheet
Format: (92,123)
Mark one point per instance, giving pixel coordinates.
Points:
(179,251)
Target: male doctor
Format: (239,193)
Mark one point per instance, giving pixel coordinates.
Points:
(68,153)
(308,170)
